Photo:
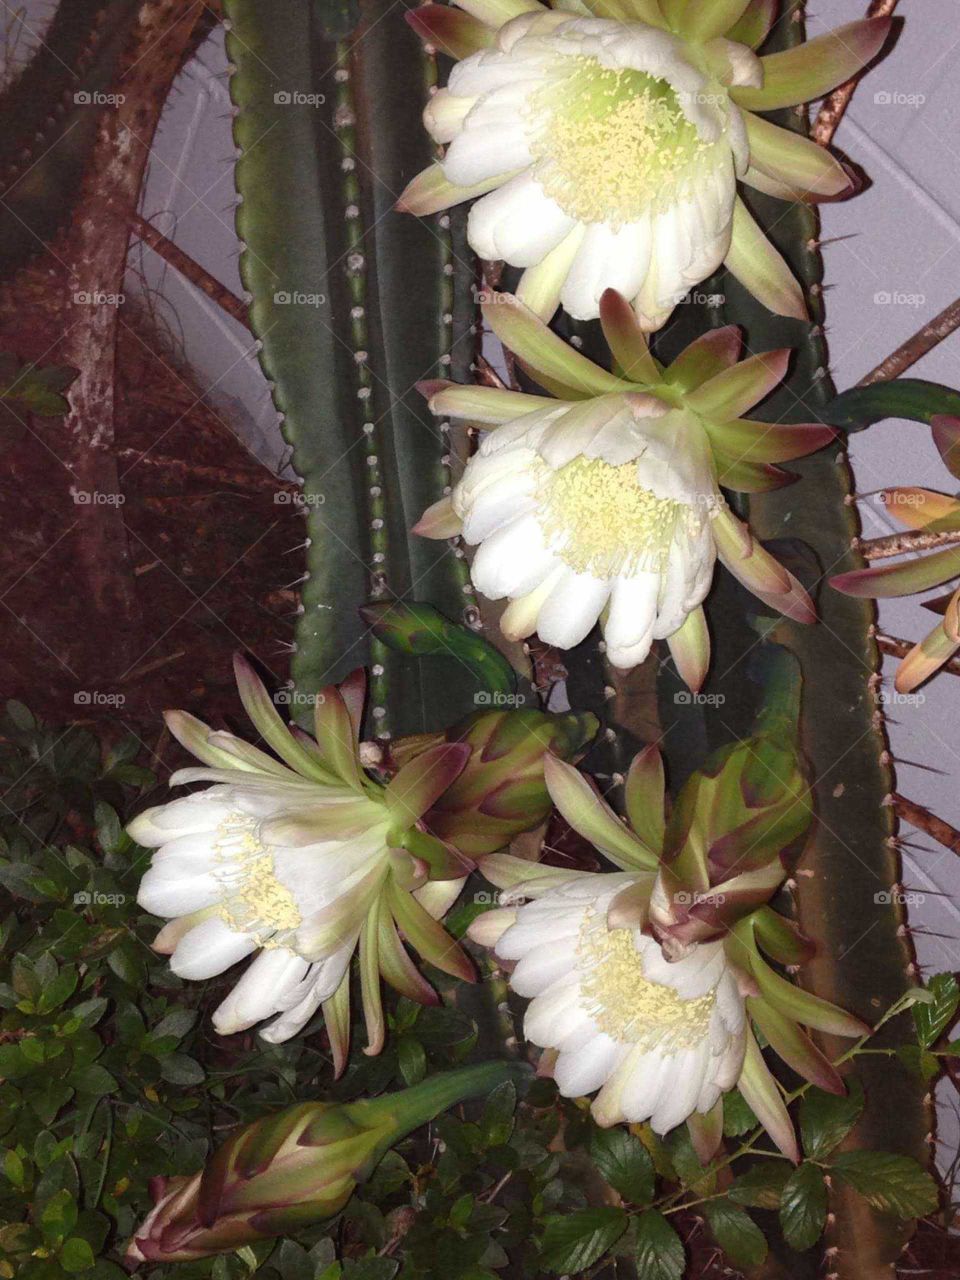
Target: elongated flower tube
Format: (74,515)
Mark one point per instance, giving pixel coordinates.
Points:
(605,502)
(605,140)
(930,512)
(651,1010)
(294,1168)
(299,859)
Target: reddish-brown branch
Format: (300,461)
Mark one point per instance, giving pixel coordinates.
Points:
(162,245)
(915,348)
(831,113)
(928,822)
(898,544)
(95,253)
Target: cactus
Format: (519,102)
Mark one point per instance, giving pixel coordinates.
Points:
(353,306)
(396,307)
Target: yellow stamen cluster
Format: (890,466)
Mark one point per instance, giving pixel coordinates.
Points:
(599,520)
(254,901)
(609,144)
(624,1003)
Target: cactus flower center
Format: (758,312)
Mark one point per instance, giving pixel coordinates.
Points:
(609,143)
(624,1003)
(599,519)
(255,900)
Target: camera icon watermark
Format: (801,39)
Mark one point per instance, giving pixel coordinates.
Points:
(897,98)
(96,698)
(296,498)
(94,898)
(294,98)
(297,298)
(98,298)
(498,699)
(687,898)
(94,98)
(93,498)
(894,698)
(898,298)
(900,897)
(687,698)
(296,698)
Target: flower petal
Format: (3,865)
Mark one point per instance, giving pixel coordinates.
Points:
(519,223)
(760,268)
(209,949)
(814,67)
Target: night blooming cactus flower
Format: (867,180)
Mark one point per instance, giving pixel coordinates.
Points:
(646,983)
(605,503)
(659,1040)
(605,140)
(296,861)
(927,511)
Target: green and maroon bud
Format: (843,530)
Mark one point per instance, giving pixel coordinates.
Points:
(501,789)
(294,1168)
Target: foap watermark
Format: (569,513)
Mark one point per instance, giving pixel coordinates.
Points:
(698,298)
(894,698)
(900,498)
(498,699)
(94,98)
(297,698)
(98,298)
(686,698)
(899,897)
(295,498)
(897,98)
(496,898)
(898,298)
(688,898)
(94,898)
(98,698)
(296,298)
(295,98)
(94,498)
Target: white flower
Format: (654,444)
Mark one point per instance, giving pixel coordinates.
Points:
(609,147)
(659,1040)
(601,507)
(233,891)
(301,860)
(605,152)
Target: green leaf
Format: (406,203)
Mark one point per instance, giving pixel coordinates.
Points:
(58,1216)
(803,1206)
(825,1119)
(178,1068)
(737,1116)
(412,1060)
(762,1186)
(572,1242)
(58,991)
(660,1254)
(933,1019)
(736,1233)
(110,833)
(496,1123)
(625,1163)
(891,1183)
(76,1255)
(93,1080)
(175,1024)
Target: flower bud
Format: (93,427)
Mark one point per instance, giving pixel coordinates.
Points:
(294,1167)
(501,790)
